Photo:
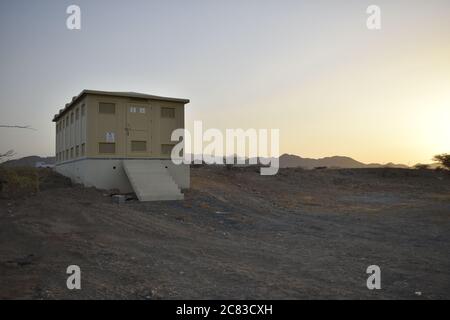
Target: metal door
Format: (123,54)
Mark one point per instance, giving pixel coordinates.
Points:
(137,130)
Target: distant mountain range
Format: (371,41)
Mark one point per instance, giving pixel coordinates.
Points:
(294,161)
(290,161)
(286,161)
(28,161)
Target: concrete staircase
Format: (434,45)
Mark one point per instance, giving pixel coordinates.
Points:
(151,181)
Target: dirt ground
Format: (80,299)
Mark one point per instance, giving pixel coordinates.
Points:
(238,235)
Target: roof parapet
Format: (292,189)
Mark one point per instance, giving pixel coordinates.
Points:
(117,94)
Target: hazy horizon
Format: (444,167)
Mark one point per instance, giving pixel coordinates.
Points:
(310,68)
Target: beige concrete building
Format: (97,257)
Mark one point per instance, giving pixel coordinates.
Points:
(122,140)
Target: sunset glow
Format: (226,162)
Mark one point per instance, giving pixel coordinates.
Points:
(309,68)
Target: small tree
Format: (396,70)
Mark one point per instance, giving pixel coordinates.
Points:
(6,155)
(10,153)
(443,159)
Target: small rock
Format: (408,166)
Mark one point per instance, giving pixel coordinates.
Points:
(118,198)
(418,293)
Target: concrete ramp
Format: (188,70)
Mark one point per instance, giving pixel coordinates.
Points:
(151,181)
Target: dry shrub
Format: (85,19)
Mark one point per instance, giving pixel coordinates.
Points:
(18,182)
(204,205)
(421,166)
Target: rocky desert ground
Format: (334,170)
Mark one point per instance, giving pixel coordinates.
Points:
(303,234)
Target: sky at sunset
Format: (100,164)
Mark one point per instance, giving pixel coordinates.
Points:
(309,68)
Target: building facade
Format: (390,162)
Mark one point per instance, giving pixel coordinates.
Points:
(98,131)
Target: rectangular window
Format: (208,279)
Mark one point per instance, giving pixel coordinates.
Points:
(77,151)
(71,117)
(82,110)
(71,153)
(77,114)
(138,146)
(107,147)
(106,108)
(63,123)
(167,112)
(67,154)
(82,149)
(166,149)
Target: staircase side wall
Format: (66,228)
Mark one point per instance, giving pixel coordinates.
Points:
(109,173)
(181,174)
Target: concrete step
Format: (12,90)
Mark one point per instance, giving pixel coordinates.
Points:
(151,181)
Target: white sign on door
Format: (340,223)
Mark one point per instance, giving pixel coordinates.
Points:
(110,137)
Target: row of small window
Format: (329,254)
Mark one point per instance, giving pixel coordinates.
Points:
(69,119)
(110,108)
(71,153)
(136,146)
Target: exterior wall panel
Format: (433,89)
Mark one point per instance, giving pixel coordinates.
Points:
(158,130)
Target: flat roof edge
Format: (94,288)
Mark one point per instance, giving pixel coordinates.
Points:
(117,94)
